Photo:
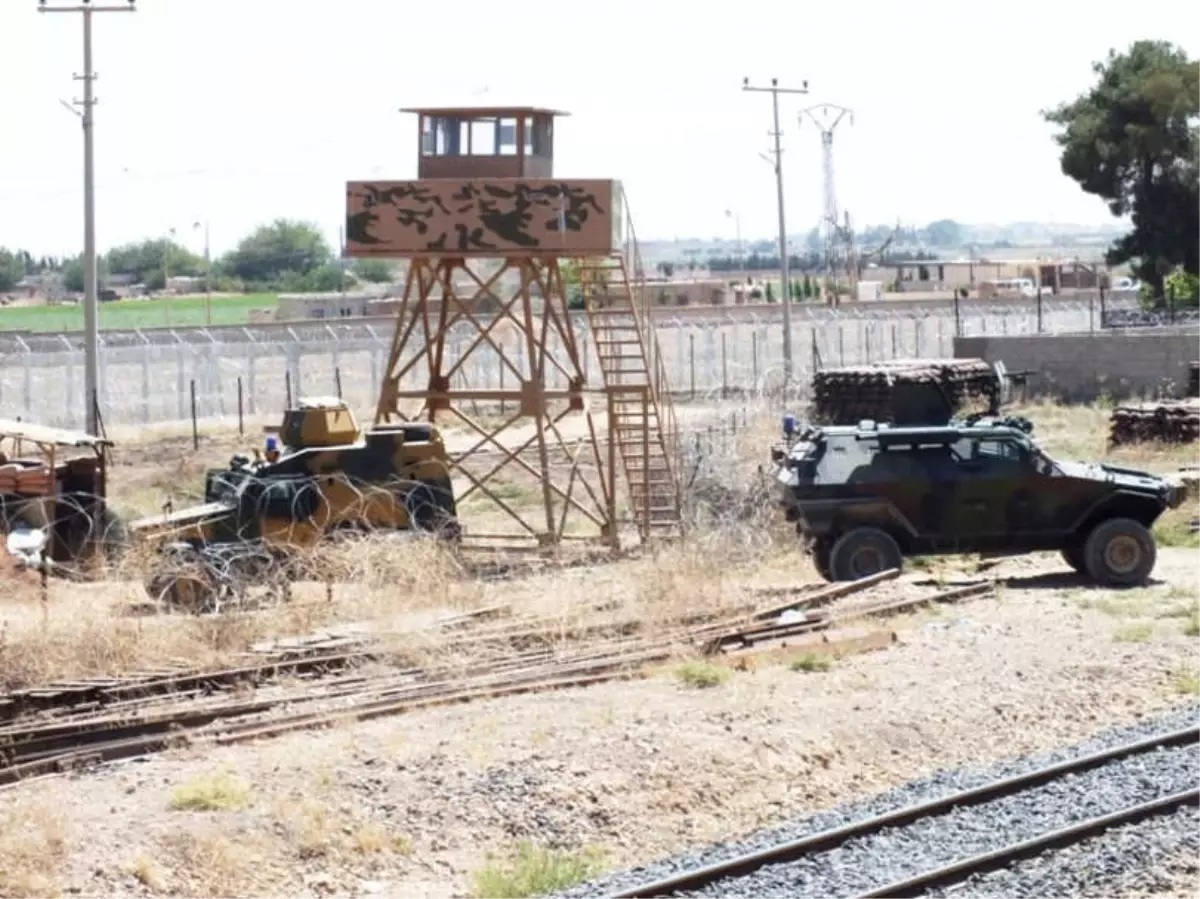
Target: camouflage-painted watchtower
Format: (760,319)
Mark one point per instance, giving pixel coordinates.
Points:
(485,189)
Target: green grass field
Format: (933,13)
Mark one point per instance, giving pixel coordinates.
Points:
(127,314)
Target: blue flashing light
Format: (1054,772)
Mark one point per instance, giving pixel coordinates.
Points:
(789,424)
(272,443)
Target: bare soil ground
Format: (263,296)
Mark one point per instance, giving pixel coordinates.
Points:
(616,774)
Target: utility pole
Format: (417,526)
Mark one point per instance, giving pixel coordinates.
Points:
(737,224)
(207,274)
(91,312)
(775,90)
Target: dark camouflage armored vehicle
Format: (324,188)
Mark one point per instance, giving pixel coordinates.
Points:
(865,497)
(320,476)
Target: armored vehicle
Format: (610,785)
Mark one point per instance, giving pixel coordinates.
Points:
(321,475)
(866,496)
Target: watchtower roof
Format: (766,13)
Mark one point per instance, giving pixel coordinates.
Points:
(482,111)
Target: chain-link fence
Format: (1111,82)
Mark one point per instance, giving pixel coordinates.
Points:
(157,375)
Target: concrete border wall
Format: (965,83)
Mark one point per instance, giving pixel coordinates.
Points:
(1081,367)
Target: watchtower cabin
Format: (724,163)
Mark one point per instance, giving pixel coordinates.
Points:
(511,350)
(490,142)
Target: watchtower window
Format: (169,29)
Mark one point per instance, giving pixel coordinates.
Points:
(443,136)
(483,137)
(538,136)
(506,137)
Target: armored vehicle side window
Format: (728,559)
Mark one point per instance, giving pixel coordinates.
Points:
(843,456)
(937,462)
(992,456)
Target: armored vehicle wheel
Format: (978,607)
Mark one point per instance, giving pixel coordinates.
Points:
(821,550)
(1120,552)
(1072,553)
(863,552)
(189,589)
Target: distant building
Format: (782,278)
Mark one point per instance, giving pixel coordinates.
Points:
(711,292)
(300,306)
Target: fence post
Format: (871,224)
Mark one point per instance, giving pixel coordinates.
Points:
(754,356)
(1039,309)
(724,369)
(287,387)
(337,380)
(241,410)
(500,362)
(195,428)
(692,361)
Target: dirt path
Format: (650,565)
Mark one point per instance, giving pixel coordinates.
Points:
(412,806)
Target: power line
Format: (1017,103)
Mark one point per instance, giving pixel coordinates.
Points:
(775,90)
(90,304)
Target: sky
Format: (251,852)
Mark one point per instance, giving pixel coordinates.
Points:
(236,112)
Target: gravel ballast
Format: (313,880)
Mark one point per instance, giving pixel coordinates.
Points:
(877,860)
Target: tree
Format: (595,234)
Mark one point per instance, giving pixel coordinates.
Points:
(377,271)
(942,233)
(1183,288)
(1132,140)
(275,251)
(145,261)
(73,272)
(12,269)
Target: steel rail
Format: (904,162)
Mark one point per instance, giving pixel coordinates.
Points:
(957,872)
(823,841)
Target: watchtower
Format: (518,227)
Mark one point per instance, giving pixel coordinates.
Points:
(511,272)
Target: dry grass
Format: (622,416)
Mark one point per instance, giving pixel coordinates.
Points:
(221,791)
(535,871)
(32,847)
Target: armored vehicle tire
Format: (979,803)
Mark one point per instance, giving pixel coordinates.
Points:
(1072,553)
(821,551)
(862,552)
(189,590)
(1120,552)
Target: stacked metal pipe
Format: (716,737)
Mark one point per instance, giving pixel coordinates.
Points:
(1193,379)
(1166,421)
(915,391)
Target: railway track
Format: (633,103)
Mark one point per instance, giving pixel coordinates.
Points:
(487,653)
(814,864)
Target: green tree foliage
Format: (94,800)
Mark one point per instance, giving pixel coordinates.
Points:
(942,233)
(1132,139)
(377,271)
(280,253)
(1183,287)
(12,268)
(145,260)
(73,272)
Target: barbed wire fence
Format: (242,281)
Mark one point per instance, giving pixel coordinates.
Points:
(165,376)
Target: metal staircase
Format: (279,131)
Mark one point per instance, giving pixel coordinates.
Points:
(642,425)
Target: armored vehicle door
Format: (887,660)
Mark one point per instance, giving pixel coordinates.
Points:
(995,497)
